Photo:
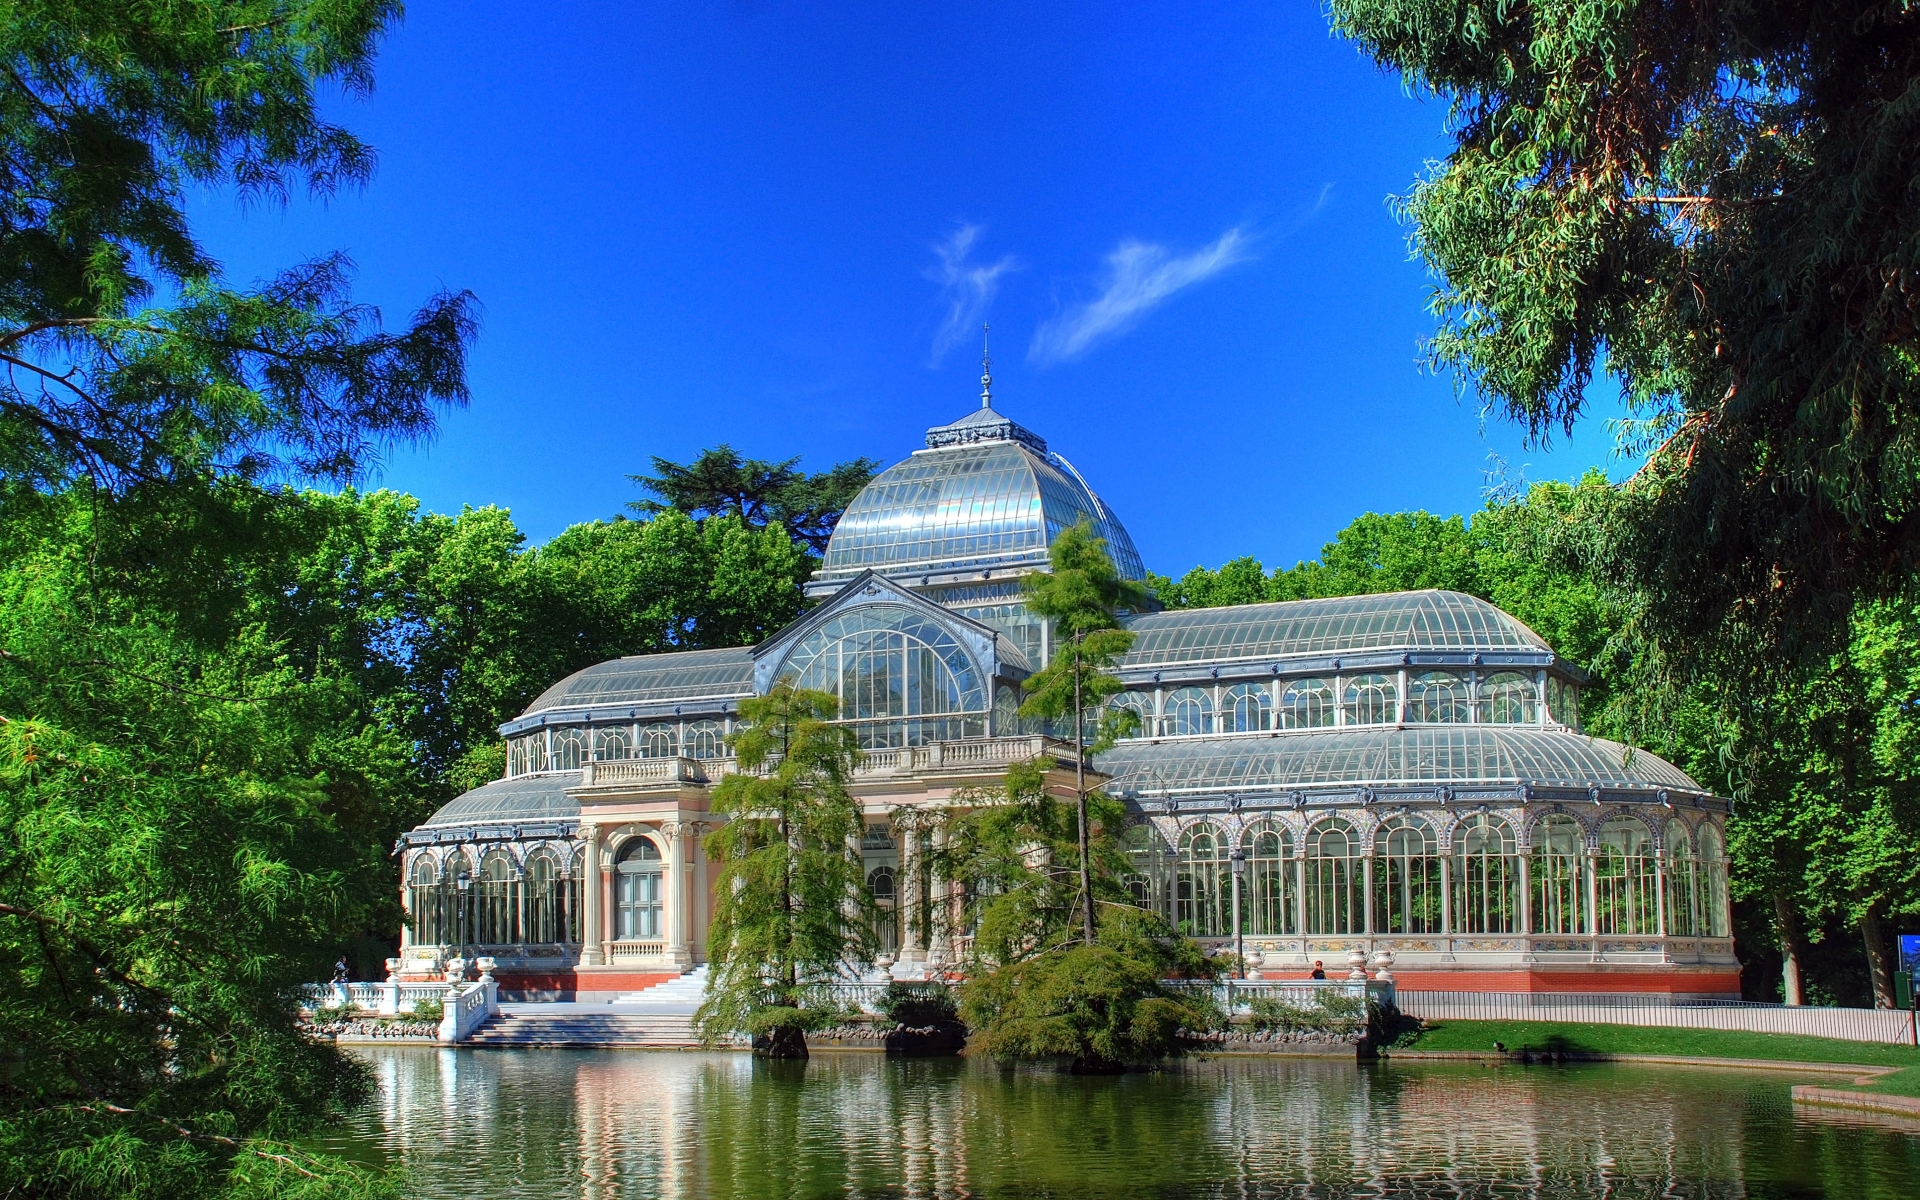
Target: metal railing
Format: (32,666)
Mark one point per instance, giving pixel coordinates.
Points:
(1884,1025)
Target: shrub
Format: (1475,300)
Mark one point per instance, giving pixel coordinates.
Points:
(428,1010)
(916,1005)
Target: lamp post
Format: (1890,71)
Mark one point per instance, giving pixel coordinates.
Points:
(1239,860)
(463,881)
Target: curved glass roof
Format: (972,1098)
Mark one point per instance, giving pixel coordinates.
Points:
(1456,754)
(652,679)
(527,799)
(1413,621)
(970,504)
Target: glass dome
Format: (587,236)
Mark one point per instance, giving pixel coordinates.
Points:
(986,495)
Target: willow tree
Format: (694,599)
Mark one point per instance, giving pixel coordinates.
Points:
(793,915)
(1082,596)
(1713,205)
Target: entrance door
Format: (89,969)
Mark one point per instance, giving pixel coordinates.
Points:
(640,891)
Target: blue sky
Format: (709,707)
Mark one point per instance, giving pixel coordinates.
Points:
(780,225)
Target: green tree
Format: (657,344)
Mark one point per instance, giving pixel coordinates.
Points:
(759,493)
(1713,206)
(1082,595)
(793,914)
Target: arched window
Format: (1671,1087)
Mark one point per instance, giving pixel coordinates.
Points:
(1438,697)
(495,901)
(567,747)
(1682,880)
(1142,709)
(1486,876)
(1147,874)
(1625,874)
(612,743)
(1508,698)
(886,903)
(456,900)
(1335,902)
(426,902)
(1563,702)
(1267,901)
(706,740)
(1406,877)
(1559,876)
(1202,884)
(1307,704)
(532,756)
(1370,699)
(900,677)
(1249,709)
(1713,885)
(659,741)
(545,900)
(640,893)
(1189,710)
(516,757)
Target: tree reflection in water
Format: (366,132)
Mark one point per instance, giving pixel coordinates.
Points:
(638,1124)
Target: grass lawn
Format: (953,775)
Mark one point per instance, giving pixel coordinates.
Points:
(1697,1043)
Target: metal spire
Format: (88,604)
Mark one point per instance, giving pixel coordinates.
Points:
(986,368)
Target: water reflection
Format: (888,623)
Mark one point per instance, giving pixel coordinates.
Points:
(634,1124)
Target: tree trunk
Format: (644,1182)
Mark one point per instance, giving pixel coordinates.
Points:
(1080,793)
(782,1041)
(1786,924)
(1879,962)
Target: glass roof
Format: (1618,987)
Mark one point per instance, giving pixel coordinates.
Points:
(984,503)
(1386,757)
(528,799)
(653,678)
(1416,621)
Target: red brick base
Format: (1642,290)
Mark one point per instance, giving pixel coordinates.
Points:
(1688,981)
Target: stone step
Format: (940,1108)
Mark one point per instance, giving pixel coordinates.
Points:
(587,1029)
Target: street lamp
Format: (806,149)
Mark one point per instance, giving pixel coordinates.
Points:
(1239,860)
(463,881)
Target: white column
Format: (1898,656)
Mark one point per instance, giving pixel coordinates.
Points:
(590,921)
(701,903)
(1400,703)
(1525,911)
(1446,894)
(939,944)
(677,923)
(406,904)
(1300,903)
(910,897)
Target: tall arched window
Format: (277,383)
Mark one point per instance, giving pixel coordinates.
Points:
(1625,874)
(1202,881)
(1486,876)
(1142,709)
(1713,886)
(546,899)
(456,900)
(641,896)
(1335,900)
(1559,876)
(1406,877)
(1370,699)
(1307,704)
(426,902)
(495,901)
(900,677)
(1508,698)
(886,906)
(1189,710)
(516,757)
(569,746)
(1682,881)
(1267,901)
(1147,874)
(659,741)
(532,753)
(1438,697)
(1249,709)
(612,743)
(706,740)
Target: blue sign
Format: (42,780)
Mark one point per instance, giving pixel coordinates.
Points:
(1909,953)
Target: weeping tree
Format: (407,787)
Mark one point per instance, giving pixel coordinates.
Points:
(1082,595)
(793,915)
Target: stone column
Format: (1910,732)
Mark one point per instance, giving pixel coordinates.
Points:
(1662,863)
(1446,897)
(911,950)
(590,920)
(1593,899)
(939,944)
(701,903)
(406,905)
(1366,897)
(520,896)
(1300,905)
(1525,911)
(677,923)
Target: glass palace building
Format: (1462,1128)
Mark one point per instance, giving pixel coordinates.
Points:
(1401,772)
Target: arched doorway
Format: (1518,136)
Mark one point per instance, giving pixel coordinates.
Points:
(639,915)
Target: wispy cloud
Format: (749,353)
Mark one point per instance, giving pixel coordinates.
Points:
(1140,276)
(966,288)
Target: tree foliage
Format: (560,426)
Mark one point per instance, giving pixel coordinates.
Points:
(757,492)
(792,913)
(1714,205)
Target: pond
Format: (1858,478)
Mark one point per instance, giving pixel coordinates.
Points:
(540,1123)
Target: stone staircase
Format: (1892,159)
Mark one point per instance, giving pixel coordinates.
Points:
(660,1016)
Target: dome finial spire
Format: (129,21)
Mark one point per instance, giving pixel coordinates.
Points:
(986,367)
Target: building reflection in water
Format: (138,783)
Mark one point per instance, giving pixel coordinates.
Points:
(606,1125)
